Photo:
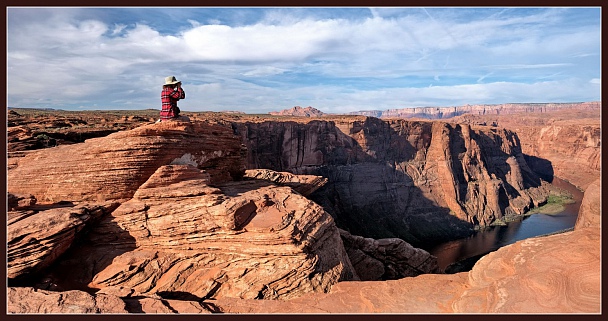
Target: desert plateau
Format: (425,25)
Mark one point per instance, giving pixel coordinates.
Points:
(302,212)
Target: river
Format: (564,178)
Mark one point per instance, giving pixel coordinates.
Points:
(468,250)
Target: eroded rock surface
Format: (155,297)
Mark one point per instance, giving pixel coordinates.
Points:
(113,167)
(188,239)
(36,237)
(562,143)
(418,181)
(28,300)
(536,275)
(303,184)
(247,239)
(386,259)
(179,223)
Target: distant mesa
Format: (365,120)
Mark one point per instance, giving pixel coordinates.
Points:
(449,112)
(299,111)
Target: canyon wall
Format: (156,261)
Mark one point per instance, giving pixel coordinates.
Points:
(564,143)
(418,181)
(146,224)
(571,151)
(449,112)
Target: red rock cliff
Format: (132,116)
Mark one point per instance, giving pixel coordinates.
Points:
(419,181)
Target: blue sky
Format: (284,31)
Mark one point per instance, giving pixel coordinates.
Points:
(342,59)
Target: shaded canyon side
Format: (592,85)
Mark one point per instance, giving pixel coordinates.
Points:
(423,182)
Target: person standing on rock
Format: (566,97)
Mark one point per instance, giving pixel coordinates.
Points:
(172,92)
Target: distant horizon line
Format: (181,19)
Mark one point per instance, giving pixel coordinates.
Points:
(366,110)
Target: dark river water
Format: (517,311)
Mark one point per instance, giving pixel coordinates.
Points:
(491,239)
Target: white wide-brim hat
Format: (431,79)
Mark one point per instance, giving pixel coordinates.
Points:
(171,80)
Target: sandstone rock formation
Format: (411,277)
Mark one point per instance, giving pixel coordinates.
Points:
(37,128)
(498,109)
(169,219)
(299,112)
(419,181)
(241,239)
(591,208)
(303,184)
(37,237)
(564,143)
(566,149)
(386,259)
(536,275)
(113,167)
(188,238)
(28,300)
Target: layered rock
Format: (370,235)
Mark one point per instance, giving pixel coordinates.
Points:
(36,237)
(536,275)
(29,129)
(113,167)
(497,109)
(28,300)
(569,151)
(153,250)
(386,259)
(303,184)
(245,239)
(418,181)
(176,222)
(562,143)
(589,215)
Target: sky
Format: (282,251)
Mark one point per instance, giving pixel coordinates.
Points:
(336,59)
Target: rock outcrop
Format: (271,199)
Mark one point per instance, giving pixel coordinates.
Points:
(303,184)
(189,238)
(113,167)
(27,300)
(536,275)
(37,237)
(564,149)
(299,112)
(247,239)
(31,129)
(418,181)
(589,215)
(156,210)
(386,259)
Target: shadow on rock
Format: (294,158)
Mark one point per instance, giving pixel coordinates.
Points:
(87,257)
(542,167)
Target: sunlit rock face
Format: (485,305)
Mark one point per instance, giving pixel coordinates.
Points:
(418,181)
(562,142)
(537,275)
(163,210)
(113,167)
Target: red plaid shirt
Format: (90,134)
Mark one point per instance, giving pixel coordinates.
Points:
(169,96)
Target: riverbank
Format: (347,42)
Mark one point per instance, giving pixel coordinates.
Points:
(460,255)
(555,204)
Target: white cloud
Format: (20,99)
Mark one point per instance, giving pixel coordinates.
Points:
(285,59)
(264,71)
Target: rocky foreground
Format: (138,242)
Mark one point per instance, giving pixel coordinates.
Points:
(166,218)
